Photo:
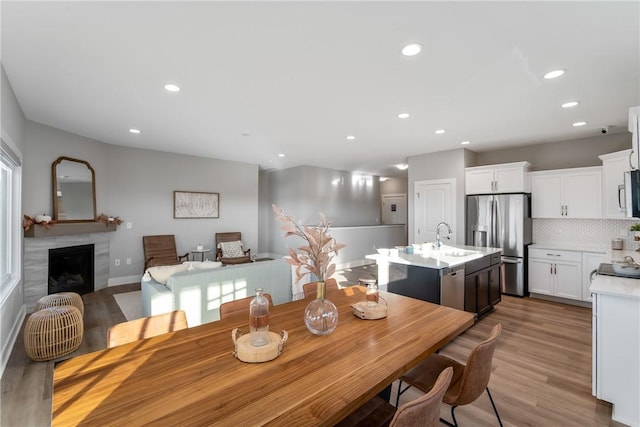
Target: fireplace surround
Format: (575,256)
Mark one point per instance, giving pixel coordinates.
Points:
(36,262)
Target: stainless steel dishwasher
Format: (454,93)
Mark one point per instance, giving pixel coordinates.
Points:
(452,287)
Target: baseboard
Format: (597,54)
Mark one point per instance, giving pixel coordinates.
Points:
(13,336)
(569,301)
(124,280)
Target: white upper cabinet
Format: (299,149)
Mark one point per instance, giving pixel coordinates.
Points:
(503,178)
(614,165)
(567,193)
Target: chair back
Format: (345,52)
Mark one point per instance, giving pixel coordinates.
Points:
(424,411)
(231,236)
(147,327)
(477,371)
(159,250)
(231,308)
(310,289)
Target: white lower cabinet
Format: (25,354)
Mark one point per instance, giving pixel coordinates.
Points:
(616,355)
(556,273)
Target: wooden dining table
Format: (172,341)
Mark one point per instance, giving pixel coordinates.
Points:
(191,378)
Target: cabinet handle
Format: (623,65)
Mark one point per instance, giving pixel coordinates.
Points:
(495,185)
(620,192)
(550,268)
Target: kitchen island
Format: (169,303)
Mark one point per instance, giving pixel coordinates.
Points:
(462,277)
(616,344)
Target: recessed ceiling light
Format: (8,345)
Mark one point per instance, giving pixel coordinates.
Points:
(412,49)
(172,88)
(281,155)
(383,178)
(465,143)
(403,115)
(134,130)
(553,74)
(402,166)
(440,131)
(577,124)
(570,104)
(351,137)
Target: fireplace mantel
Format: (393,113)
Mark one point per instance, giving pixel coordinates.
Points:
(69,228)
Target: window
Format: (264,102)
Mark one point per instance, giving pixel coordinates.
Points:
(10,227)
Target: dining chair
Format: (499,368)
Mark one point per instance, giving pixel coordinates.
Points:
(240,305)
(469,381)
(147,327)
(310,288)
(423,411)
(161,250)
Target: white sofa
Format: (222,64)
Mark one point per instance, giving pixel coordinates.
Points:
(200,292)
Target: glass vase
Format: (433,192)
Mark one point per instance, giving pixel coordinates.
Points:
(321,315)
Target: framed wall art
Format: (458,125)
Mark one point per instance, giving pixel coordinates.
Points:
(192,204)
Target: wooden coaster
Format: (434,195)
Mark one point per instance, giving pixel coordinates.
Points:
(362,311)
(245,352)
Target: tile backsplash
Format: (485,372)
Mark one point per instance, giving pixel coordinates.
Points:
(587,233)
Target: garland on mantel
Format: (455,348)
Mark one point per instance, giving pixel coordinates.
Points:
(109,219)
(28,221)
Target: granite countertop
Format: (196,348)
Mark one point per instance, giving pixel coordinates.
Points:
(434,259)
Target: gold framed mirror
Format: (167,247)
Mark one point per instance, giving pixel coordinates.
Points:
(74,190)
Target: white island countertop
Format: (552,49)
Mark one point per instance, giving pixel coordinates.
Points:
(615,286)
(438,259)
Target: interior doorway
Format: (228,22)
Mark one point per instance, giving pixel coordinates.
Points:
(394,209)
(434,202)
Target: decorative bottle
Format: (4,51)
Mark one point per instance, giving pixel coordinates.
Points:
(259,319)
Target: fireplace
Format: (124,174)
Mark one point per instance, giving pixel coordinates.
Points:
(71,269)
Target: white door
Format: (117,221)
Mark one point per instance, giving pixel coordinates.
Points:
(394,208)
(434,202)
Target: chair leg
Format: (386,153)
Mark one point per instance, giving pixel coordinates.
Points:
(400,391)
(453,417)
(494,407)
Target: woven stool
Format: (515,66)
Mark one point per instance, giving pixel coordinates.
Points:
(61,298)
(53,332)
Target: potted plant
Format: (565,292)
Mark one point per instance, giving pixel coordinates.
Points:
(636,230)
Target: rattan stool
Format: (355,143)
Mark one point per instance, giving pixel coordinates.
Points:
(61,298)
(53,332)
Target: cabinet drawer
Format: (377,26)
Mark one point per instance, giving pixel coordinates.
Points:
(496,258)
(556,255)
(477,264)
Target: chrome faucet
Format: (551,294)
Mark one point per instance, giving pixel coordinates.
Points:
(438,243)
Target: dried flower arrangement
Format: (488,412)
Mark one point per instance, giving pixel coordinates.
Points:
(316,257)
(28,221)
(109,219)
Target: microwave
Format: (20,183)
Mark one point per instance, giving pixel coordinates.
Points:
(632,193)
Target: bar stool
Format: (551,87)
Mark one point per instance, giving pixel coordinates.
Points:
(61,298)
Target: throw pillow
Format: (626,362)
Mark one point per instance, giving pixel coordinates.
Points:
(231,249)
(162,273)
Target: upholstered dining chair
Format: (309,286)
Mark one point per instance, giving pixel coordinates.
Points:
(310,288)
(161,250)
(240,305)
(147,327)
(230,249)
(469,381)
(423,411)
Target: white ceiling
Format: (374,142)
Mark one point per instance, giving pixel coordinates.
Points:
(262,78)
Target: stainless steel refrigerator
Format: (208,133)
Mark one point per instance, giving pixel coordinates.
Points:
(503,221)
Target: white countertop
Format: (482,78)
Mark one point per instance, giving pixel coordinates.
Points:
(616,286)
(579,247)
(433,259)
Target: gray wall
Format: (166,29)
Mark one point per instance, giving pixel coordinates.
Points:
(12,308)
(345,198)
(445,164)
(559,155)
(395,185)
(137,186)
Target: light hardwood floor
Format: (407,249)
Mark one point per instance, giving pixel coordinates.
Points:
(541,368)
